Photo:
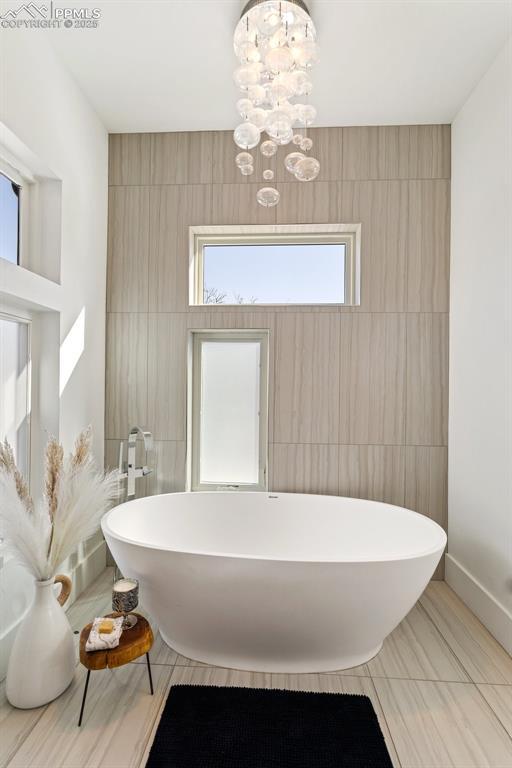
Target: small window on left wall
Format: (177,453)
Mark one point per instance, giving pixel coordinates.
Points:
(15,388)
(10,198)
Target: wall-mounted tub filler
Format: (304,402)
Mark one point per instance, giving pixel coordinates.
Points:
(128,469)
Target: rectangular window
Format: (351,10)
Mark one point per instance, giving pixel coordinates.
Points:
(229,410)
(15,388)
(10,194)
(282,264)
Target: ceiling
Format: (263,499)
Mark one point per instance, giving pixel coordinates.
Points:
(166,65)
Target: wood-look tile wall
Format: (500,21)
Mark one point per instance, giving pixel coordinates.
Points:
(358,396)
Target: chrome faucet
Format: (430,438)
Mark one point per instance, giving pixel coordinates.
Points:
(128,470)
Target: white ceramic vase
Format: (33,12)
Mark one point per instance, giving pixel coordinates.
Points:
(43,658)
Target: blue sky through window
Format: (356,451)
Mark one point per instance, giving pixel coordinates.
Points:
(9,207)
(288,273)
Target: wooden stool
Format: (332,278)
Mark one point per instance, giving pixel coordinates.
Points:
(133,643)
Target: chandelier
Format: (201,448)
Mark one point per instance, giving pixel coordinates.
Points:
(275,43)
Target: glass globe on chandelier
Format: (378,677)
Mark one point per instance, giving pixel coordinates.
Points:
(275,44)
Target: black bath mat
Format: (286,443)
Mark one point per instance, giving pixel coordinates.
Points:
(212,727)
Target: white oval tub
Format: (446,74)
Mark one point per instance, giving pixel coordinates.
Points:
(274,582)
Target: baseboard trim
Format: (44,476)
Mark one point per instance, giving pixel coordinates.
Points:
(491,613)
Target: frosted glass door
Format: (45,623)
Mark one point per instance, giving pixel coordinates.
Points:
(230,412)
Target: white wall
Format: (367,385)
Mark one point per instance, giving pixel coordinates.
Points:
(479,564)
(44,109)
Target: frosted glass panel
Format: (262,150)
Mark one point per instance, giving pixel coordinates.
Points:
(230,397)
(14,389)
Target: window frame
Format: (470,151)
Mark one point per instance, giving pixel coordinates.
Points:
(300,234)
(24,182)
(27,321)
(17,181)
(194,408)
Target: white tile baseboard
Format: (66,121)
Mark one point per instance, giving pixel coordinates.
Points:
(494,615)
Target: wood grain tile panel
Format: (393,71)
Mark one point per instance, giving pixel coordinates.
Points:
(375,152)
(396,152)
(483,658)
(327,148)
(205,675)
(360,671)
(129,159)
(339,684)
(195,207)
(341,378)
(194,158)
(184,661)
(224,169)
(111,454)
(427,379)
(314,202)
(126,373)
(181,158)
(429,152)
(237,204)
(164,160)
(499,698)
(174,209)
(416,650)
(167,372)
(128,249)
(426,486)
(374,472)
(426,482)
(169,468)
(442,725)
(165,292)
(118,718)
(304,468)
(382,209)
(15,726)
(306,378)
(372,379)
(428,265)
(242,317)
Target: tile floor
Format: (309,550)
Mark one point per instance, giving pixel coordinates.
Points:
(441,686)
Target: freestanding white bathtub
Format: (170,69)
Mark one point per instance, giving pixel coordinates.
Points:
(274,582)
